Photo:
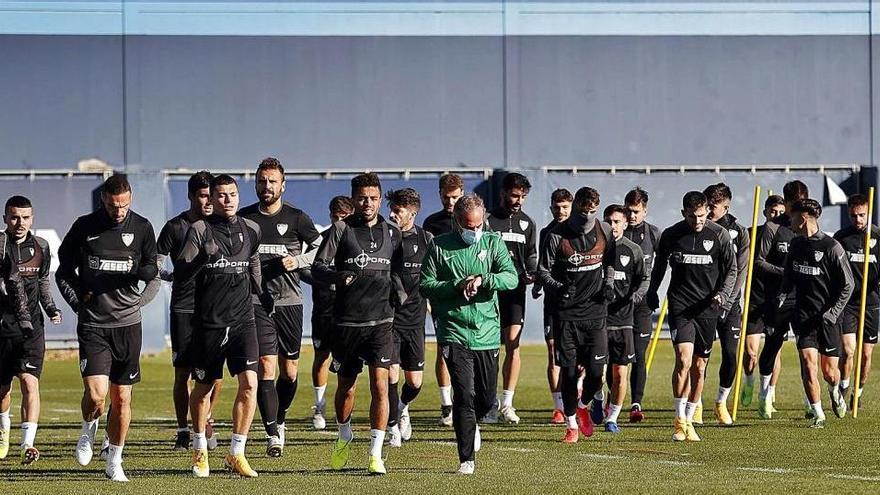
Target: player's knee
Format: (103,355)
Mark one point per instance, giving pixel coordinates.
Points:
(30,385)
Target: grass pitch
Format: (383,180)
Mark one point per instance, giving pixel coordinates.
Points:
(754,456)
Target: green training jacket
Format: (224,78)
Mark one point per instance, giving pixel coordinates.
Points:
(474,324)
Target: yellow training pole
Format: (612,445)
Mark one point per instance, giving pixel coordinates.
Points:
(741,349)
(656,336)
(860,336)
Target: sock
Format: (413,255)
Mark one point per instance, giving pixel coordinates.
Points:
(5,421)
(750,380)
(599,395)
(771,392)
(115,455)
(200,441)
(446,396)
(844,384)
(817,409)
(636,404)
(722,395)
(557,400)
(680,406)
(408,394)
(286,390)
(571,422)
(393,405)
(182,430)
(236,446)
(319,395)
(507,398)
(345,433)
(377,438)
(765,383)
(613,413)
(267,401)
(28,434)
(689,410)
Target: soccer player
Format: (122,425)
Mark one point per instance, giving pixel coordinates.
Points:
(576,269)
(700,291)
(221,253)
(439,223)
(409,318)
(460,276)
(729,327)
(818,271)
(774,206)
(630,286)
(323,297)
(647,236)
(361,255)
(770,256)
(101,261)
(22,346)
(560,209)
(170,243)
(289,243)
(852,239)
(518,232)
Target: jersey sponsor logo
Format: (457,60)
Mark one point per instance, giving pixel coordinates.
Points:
(482,255)
(818,255)
(523,225)
(624,260)
(782,247)
(114,266)
(619,275)
(692,259)
(281,228)
(409,264)
(223,263)
(585,258)
(364,259)
(514,237)
(28,269)
(127,238)
(860,258)
(279,249)
(814,271)
(708,245)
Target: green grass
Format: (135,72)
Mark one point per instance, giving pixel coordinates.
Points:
(754,456)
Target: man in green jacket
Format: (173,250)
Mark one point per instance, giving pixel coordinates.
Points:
(461,274)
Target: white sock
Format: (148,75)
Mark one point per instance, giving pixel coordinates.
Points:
(613,413)
(771,392)
(345,433)
(377,438)
(28,434)
(581,404)
(765,383)
(689,409)
(115,455)
(404,408)
(557,400)
(236,446)
(89,427)
(599,395)
(571,422)
(844,384)
(750,379)
(200,441)
(722,395)
(446,396)
(817,409)
(182,430)
(861,389)
(507,398)
(319,395)
(5,422)
(680,406)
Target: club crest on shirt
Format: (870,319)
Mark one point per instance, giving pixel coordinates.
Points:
(733,233)
(415,248)
(818,255)
(624,260)
(31,252)
(523,225)
(127,238)
(281,228)
(873,243)
(240,237)
(482,255)
(707,245)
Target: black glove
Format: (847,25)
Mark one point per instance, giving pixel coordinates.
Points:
(342,278)
(652,301)
(609,293)
(536,291)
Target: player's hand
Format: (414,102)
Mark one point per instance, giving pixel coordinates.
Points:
(716,302)
(345,278)
(536,291)
(473,286)
(56,318)
(86,297)
(609,294)
(527,278)
(289,262)
(652,301)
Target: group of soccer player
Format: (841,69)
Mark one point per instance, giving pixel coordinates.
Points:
(236,299)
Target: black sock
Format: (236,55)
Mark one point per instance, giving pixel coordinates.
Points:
(409,393)
(393,404)
(267,401)
(445,410)
(286,392)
